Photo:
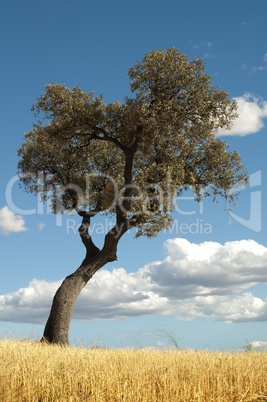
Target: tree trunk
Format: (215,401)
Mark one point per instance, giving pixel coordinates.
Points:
(58,323)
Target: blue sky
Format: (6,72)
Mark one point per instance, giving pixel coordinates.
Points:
(205,279)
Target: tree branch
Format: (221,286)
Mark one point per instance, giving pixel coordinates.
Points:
(91,249)
(106,137)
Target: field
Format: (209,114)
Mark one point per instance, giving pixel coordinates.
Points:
(31,371)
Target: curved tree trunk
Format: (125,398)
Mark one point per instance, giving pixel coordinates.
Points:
(58,323)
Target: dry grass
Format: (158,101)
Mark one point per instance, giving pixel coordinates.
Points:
(30,371)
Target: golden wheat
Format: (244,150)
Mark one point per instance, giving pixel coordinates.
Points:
(31,371)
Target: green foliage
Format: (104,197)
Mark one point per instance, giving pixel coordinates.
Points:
(133,158)
(248,346)
(170,335)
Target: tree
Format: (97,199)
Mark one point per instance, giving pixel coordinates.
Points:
(128,159)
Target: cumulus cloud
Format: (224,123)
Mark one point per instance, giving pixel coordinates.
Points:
(10,223)
(207,268)
(29,304)
(194,280)
(243,308)
(259,345)
(251,111)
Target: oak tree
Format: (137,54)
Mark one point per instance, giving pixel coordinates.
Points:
(128,159)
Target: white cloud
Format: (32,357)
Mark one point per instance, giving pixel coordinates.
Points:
(201,45)
(259,345)
(251,112)
(29,304)
(262,67)
(208,56)
(241,308)
(247,23)
(194,280)
(160,344)
(207,268)
(10,223)
(254,69)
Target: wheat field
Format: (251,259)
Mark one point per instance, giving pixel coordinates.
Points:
(31,371)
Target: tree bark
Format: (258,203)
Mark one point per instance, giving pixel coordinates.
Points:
(58,323)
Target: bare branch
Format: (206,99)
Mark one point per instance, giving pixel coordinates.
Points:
(95,136)
(91,248)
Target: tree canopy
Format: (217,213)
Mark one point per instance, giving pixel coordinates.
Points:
(133,158)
